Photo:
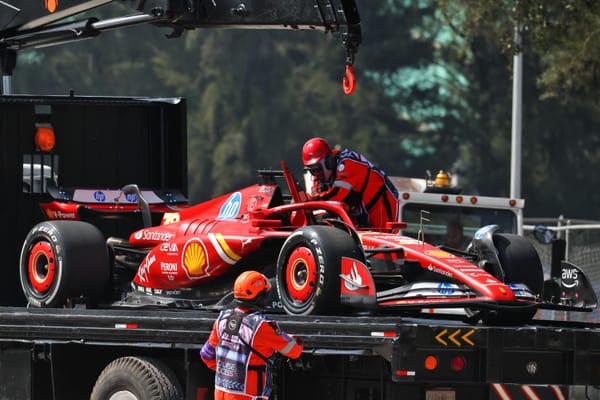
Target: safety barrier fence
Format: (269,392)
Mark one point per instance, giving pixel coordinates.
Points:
(582,238)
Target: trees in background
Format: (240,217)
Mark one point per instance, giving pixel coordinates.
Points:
(563,35)
(560,41)
(434,91)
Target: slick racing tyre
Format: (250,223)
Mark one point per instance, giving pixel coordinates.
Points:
(61,259)
(520,264)
(136,378)
(308,269)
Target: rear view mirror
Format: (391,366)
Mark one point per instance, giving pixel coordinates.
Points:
(543,235)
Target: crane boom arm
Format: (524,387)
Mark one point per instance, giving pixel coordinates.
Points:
(40,23)
(33,25)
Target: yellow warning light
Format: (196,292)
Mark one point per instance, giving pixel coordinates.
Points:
(44,138)
(442,179)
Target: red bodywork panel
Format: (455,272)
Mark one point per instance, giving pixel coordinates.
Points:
(199,243)
(440,261)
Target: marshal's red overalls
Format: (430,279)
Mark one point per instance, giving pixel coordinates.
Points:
(370,195)
(240,359)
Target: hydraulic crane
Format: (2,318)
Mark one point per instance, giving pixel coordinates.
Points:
(37,23)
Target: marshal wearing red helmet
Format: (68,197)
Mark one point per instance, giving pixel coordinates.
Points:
(349,177)
(243,340)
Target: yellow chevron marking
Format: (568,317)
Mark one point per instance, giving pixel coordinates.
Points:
(439,336)
(226,247)
(451,337)
(465,337)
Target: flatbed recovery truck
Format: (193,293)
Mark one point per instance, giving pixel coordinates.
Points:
(72,353)
(60,353)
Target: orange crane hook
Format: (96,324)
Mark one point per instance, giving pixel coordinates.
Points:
(349,83)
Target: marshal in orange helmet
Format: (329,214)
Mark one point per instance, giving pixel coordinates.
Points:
(243,341)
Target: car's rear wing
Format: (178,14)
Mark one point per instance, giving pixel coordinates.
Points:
(116,197)
(85,203)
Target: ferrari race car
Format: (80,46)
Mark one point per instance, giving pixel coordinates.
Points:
(320,261)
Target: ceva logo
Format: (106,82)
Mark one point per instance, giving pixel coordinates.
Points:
(51,5)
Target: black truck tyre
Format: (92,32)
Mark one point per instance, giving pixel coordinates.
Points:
(308,269)
(60,259)
(136,378)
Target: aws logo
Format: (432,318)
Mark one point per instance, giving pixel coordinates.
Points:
(51,5)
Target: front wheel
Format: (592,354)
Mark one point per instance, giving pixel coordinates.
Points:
(520,264)
(136,378)
(520,261)
(61,259)
(308,269)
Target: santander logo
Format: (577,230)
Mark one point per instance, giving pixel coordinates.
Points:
(51,5)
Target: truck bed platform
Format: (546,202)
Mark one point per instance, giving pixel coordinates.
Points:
(545,352)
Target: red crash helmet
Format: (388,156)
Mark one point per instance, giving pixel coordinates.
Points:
(315,150)
(250,285)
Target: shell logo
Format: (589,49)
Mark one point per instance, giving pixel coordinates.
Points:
(51,5)
(194,258)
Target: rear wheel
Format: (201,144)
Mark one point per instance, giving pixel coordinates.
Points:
(136,378)
(60,259)
(308,269)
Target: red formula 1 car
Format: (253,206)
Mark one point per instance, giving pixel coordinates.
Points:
(321,262)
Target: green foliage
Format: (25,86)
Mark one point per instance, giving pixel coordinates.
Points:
(564,34)
(560,99)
